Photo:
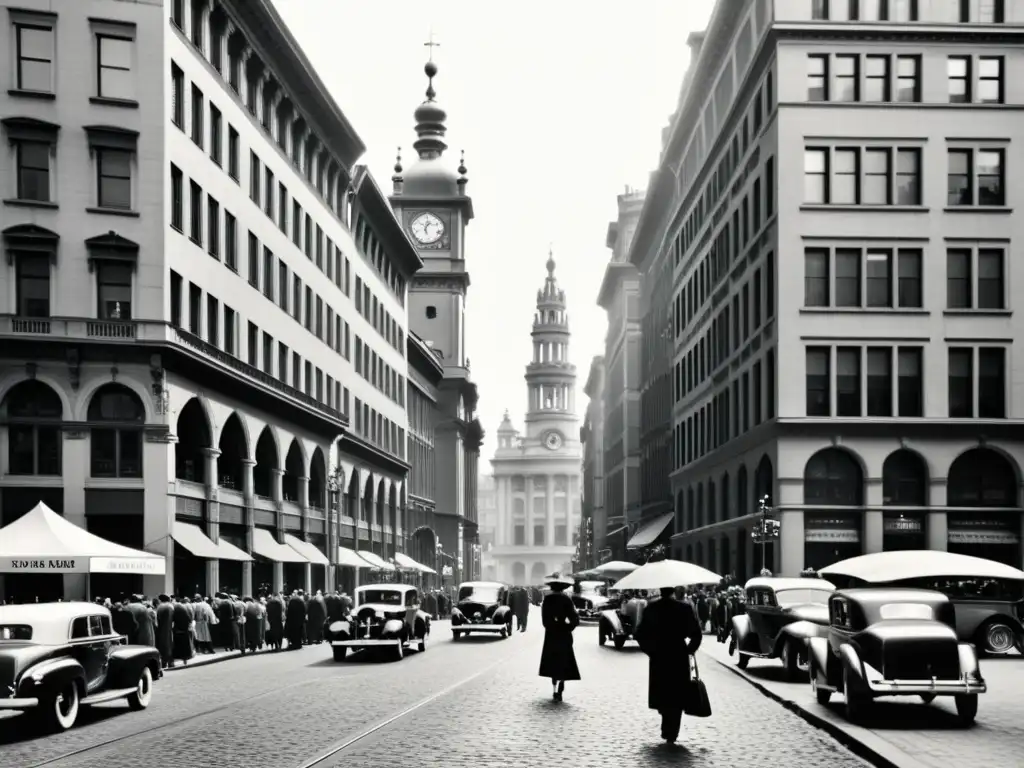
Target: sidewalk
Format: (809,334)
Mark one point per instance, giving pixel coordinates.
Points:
(903,732)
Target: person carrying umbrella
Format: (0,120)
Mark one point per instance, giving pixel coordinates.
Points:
(559,617)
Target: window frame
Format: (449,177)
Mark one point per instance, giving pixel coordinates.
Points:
(100,66)
(35,25)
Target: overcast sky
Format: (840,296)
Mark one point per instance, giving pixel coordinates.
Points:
(558,105)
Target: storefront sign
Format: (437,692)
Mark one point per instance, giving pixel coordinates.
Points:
(831,536)
(967,536)
(154,566)
(981,530)
(831,528)
(902,525)
(44,565)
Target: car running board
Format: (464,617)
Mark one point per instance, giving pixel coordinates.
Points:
(99,698)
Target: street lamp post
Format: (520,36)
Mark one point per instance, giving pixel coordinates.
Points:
(767,530)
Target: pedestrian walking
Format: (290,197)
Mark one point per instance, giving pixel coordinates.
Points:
(671,688)
(520,604)
(165,631)
(559,617)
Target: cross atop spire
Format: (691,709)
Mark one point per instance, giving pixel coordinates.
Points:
(430,44)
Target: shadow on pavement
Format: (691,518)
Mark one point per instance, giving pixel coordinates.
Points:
(623,649)
(908,715)
(665,754)
(24,727)
(773,675)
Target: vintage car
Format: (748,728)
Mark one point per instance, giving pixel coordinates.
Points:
(613,624)
(590,600)
(56,658)
(482,607)
(385,616)
(894,642)
(781,615)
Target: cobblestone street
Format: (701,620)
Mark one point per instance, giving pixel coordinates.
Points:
(908,732)
(288,709)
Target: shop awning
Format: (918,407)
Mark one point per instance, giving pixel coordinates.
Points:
(349,558)
(229,551)
(265,545)
(307,550)
(195,541)
(614,531)
(375,561)
(404,561)
(650,532)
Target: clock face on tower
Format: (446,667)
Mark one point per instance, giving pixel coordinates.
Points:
(427,228)
(552,441)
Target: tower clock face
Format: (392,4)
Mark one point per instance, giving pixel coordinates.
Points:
(552,441)
(427,228)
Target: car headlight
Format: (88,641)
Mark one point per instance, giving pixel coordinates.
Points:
(379,614)
(477,615)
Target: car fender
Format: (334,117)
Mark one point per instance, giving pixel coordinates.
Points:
(851,662)
(127,663)
(799,632)
(818,653)
(614,623)
(54,673)
(457,618)
(970,669)
(741,631)
(339,630)
(502,615)
(392,628)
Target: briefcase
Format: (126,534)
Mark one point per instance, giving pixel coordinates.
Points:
(699,704)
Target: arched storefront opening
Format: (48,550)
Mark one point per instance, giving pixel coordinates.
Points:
(832,478)
(904,484)
(984,478)
(764,488)
(193,432)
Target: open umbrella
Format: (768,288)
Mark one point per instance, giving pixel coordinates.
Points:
(667,573)
(615,568)
(882,567)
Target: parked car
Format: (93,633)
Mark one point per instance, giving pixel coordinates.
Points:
(482,607)
(385,616)
(613,624)
(590,600)
(781,615)
(894,642)
(56,658)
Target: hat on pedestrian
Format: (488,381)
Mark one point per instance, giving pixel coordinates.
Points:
(558,581)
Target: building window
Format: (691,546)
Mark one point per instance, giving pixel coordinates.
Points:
(195,309)
(177,96)
(268,354)
(230,330)
(213,227)
(216,128)
(991,12)
(32,412)
(197,23)
(902,10)
(848,381)
(212,320)
(976,175)
(908,80)
(958,76)
(856,176)
(268,273)
(816,176)
(254,178)
(254,261)
(177,199)
(282,207)
(114,177)
(33,159)
(819,10)
(114,77)
(198,103)
(975,279)
(538,535)
(817,78)
(990,80)
(908,176)
(230,242)
(34,51)
(876,78)
(178,13)
(32,284)
(233,150)
(196,213)
(282,362)
(910,381)
(116,416)
(282,284)
(254,345)
(114,290)
(884,270)
(176,283)
(268,192)
(879,381)
(818,381)
(991,383)
(961,383)
(845,76)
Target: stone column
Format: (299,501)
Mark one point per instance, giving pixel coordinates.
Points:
(307,571)
(250,521)
(791,543)
(501,529)
(550,507)
(937,525)
(333,515)
(277,496)
(212,516)
(75,461)
(873,524)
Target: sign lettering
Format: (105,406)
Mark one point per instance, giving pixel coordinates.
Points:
(902,525)
(41,565)
(983,537)
(832,536)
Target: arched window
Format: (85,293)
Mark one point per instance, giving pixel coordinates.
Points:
(742,493)
(116,416)
(32,412)
(981,477)
(904,480)
(833,477)
(726,502)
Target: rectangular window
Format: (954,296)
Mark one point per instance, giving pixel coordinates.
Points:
(282,207)
(903,10)
(114,78)
(177,199)
(296,371)
(254,178)
(990,80)
(877,177)
(282,284)
(176,283)
(233,151)
(991,383)
(909,286)
(991,190)
(196,211)
(282,362)
(296,297)
(254,261)
(34,54)
(908,176)
(296,224)
(959,294)
(961,383)
(818,382)
(879,381)
(254,346)
(845,188)
(212,320)
(308,316)
(114,179)
(268,192)
(319,318)
(178,13)
(816,176)
(268,273)
(268,354)
(958,76)
(216,129)
(32,284)
(848,381)
(845,78)
(230,330)
(197,24)
(848,277)
(33,158)
(538,535)
(991,279)
(308,237)
(230,241)
(817,78)
(177,96)
(910,382)
(991,12)
(114,290)
(959,177)
(213,227)
(876,78)
(908,81)
(197,116)
(879,278)
(195,309)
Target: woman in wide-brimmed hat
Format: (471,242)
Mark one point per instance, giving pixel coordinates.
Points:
(558,614)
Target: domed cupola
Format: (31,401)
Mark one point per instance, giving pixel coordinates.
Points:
(431,175)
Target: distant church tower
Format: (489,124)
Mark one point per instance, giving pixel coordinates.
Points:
(538,473)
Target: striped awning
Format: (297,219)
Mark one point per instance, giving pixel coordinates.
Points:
(649,533)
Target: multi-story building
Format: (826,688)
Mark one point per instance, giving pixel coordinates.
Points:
(425,375)
(487,509)
(593,515)
(203,316)
(431,203)
(871,143)
(538,473)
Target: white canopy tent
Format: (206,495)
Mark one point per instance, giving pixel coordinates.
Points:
(41,541)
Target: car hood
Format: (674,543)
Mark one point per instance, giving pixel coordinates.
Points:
(472,607)
(380,608)
(815,613)
(16,658)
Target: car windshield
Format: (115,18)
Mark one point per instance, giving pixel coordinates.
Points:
(594,588)
(15,632)
(798,596)
(479,594)
(906,611)
(385,596)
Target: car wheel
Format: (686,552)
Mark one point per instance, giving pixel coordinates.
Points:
(602,638)
(339,651)
(742,660)
(423,644)
(927,698)
(790,657)
(854,700)
(62,708)
(620,643)
(503,633)
(456,634)
(966,707)
(998,638)
(399,650)
(143,691)
(822,695)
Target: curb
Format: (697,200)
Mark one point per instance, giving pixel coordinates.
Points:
(861,742)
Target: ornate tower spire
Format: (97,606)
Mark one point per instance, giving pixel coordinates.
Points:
(551,377)
(430,118)
(397,178)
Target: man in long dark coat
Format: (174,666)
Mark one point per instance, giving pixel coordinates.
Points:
(275,617)
(429,605)
(182,632)
(253,622)
(335,609)
(144,630)
(316,615)
(165,631)
(226,627)
(520,607)
(238,623)
(670,687)
(295,621)
(123,620)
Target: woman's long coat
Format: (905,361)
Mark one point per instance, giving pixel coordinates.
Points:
(165,631)
(559,617)
(666,622)
(275,618)
(295,622)
(183,648)
(253,624)
(204,621)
